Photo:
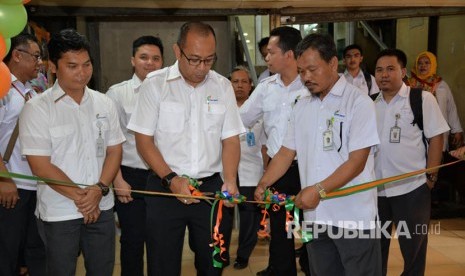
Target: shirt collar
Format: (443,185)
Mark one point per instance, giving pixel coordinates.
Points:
(136,82)
(403,91)
(24,88)
(347,74)
(339,86)
(174,73)
(277,79)
(58,94)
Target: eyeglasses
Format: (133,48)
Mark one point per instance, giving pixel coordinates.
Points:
(36,57)
(197,61)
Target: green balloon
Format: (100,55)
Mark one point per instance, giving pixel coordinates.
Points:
(11,2)
(13,19)
(8,44)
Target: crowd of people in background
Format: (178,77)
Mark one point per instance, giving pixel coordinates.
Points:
(305,129)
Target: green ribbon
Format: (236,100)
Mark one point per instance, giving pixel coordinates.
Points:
(216,249)
(41,179)
(305,236)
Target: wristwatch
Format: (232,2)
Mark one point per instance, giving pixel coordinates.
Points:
(166,181)
(321,190)
(433,177)
(105,189)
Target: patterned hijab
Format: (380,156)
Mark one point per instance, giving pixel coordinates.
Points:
(428,81)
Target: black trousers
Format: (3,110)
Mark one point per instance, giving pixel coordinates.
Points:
(249,215)
(411,214)
(167,219)
(336,255)
(131,217)
(282,249)
(18,228)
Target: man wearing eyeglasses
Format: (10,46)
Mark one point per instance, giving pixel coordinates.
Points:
(18,226)
(186,123)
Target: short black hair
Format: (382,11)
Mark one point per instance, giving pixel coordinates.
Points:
(64,41)
(352,47)
(147,40)
(23,39)
(324,44)
(391,52)
(288,38)
(195,26)
(263,42)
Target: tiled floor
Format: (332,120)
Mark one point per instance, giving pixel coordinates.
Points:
(446,253)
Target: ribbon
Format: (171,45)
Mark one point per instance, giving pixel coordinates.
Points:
(217,237)
(262,232)
(372,184)
(305,236)
(235,199)
(268,200)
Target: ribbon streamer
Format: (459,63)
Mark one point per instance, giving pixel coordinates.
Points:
(334,194)
(217,237)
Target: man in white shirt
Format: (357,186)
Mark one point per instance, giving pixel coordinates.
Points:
(186,123)
(273,99)
(18,197)
(147,56)
(333,133)
(354,74)
(262,47)
(71,133)
(250,170)
(405,203)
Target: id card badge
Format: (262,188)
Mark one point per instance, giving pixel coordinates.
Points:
(250,139)
(328,143)
(100,143)
(394,135)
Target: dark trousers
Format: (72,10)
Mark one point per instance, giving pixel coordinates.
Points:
(18,229)
(249,215)
(411,211)
(131,218)
(344,256)
(282,249)
(64,239)
(167,219)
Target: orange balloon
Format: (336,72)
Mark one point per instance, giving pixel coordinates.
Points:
(5,80)
(3,49)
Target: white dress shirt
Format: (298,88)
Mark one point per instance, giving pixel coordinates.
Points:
(124,95)
(353,116)
(274,102)
(408,155)
(448,109)
(54,125)
(12,105)
(360,82)
(251,162)
(188,123)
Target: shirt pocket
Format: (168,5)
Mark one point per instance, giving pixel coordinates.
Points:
(63,139)
(214,117)
(101,128)
(171,118)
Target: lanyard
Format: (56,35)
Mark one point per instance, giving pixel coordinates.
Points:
(26,96)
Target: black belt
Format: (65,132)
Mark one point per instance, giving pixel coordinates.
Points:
(134,169)
(208,178)
(294,162)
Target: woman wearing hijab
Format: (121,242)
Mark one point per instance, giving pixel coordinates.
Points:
(424,76)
